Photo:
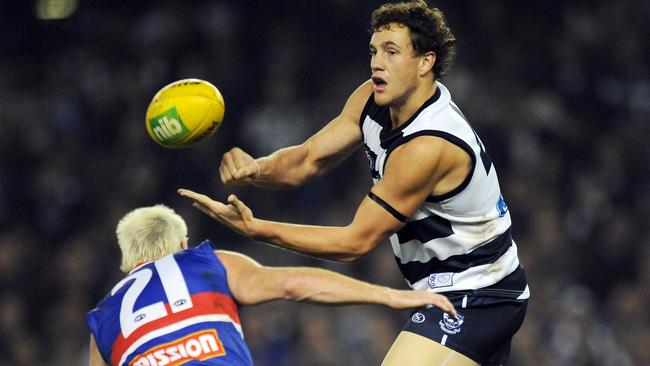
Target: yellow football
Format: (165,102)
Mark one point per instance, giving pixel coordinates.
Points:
(184,113)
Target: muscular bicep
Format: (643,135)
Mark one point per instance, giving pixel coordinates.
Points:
(372,224)
(424,166)
(250,282)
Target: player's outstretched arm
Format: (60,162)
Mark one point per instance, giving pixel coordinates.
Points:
(252,283)
(371,225)
(295,165)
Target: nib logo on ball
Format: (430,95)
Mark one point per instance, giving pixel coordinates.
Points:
(168,126)
(184,113)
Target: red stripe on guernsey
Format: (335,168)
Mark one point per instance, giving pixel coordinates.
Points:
(205,303)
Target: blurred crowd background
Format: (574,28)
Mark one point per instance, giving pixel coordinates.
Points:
(559,91)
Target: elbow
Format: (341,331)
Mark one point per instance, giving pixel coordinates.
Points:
(347,258)
(359,238)
(357,252)
(294,287)
(352,256)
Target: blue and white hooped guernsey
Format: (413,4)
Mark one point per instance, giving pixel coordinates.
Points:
(461,240)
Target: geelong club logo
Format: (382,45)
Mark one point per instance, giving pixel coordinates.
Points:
(450,324)
(372,159)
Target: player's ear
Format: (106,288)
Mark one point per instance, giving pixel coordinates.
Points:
(184,244)
(427,60)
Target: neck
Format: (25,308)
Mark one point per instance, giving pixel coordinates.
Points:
(401,112)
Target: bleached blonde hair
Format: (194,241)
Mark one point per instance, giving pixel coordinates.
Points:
(149,233)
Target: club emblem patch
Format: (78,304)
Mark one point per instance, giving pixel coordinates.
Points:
(443,279)
(450,324)
(372,159)
(418,318)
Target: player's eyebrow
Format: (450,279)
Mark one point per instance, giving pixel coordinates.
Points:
(384,45)
(389,43)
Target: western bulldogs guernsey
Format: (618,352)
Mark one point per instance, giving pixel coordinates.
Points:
(176,310)
(459,241)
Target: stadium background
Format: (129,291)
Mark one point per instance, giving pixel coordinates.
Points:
(558,90)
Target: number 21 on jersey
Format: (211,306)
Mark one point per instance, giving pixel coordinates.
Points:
(174,286)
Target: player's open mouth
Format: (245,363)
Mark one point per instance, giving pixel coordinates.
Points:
(379,83)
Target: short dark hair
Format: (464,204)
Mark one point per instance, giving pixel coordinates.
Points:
(429,30)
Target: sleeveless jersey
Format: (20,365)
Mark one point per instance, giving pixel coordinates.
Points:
(175,310)
(460,240)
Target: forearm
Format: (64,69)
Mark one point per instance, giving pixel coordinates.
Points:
(286,168)
(328,242)
(371,225)
(295,165)
(327,287)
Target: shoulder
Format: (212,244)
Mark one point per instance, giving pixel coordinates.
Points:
(357,101)
(426,154)
(363,92)
(421,152)
(422,147)
(236,261)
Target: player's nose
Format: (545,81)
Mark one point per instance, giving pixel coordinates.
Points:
(376,63)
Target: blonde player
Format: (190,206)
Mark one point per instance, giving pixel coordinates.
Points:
(179,305)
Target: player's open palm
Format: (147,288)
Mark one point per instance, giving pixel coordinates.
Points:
(238,167)
(235,214)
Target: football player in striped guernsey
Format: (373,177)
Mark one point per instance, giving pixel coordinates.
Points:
(179,305)
(436,195)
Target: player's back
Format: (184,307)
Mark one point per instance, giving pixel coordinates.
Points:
(176,310)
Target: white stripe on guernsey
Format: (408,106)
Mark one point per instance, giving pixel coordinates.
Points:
(444,340)
(525,294)
(177,326)
(478,276)
(432,208)
(440,248)
(465,239)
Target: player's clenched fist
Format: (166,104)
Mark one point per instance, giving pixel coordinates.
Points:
(237,167)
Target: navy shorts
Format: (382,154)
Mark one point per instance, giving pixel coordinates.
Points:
(483,330)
